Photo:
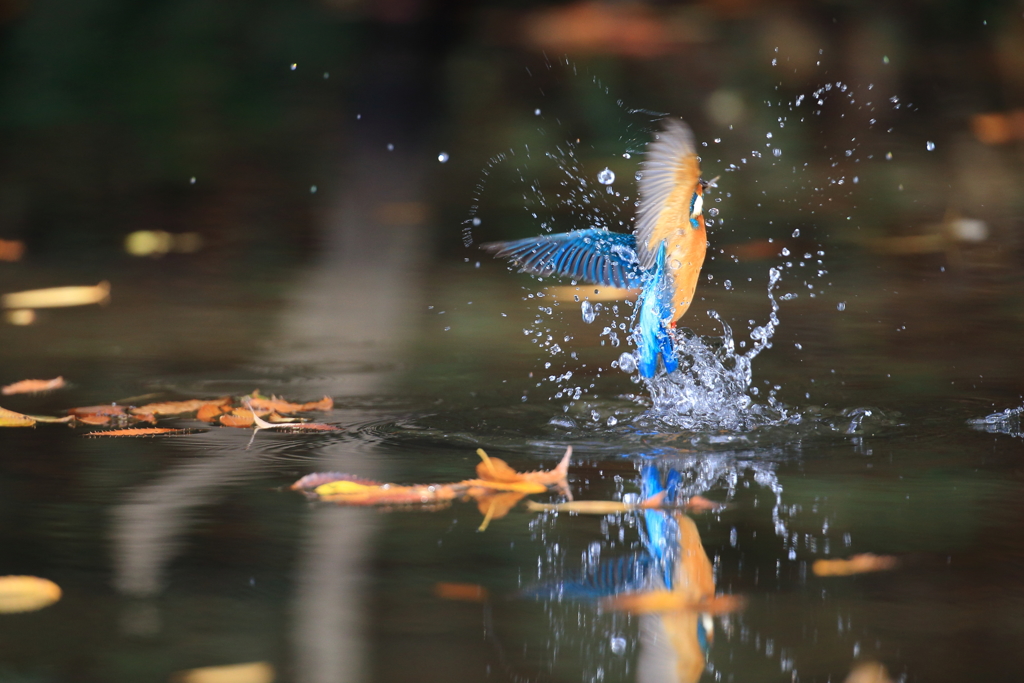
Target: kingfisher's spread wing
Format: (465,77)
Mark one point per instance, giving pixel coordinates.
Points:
(670,175)
(596,256)
(670,211)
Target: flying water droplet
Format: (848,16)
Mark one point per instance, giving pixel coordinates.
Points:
(796,233)
(442,157)
(627,362)
(589,313)
(841,306)
(606,177)
(536,112)
(713,211)
(930,146)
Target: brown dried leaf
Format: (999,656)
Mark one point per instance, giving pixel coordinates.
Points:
(466,592)
(9,418)
(856,564)
(94,420)
(279,405)
(180,407)
(33,386)
(112,410)
(141,431)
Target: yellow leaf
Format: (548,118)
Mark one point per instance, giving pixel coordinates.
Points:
(520,486)
(26,593)
(56,297)
(252,672)
(9,418)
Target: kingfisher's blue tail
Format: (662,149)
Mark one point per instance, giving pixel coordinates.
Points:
(653,337)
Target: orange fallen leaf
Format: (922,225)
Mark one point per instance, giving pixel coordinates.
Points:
(211,412)
(496,469)
(856,564)
(311,481)
(26,593)
(141,431)
(180,407)
(32,386)
(279,405)
(466,592)
(9,418)
(654,601)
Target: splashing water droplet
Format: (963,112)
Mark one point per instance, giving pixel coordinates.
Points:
(627,362)
(785,251)
(442,157)
(312,189)
(536,112)
(841,306)
(796,233)
(713,211)
(606,177)
(589,313)
(930,146)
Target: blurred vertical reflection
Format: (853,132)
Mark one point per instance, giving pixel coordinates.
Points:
(350,314)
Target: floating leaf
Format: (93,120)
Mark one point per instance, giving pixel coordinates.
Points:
(279,405)
(32,386)
(252,672)
(485,485)
(702,504)
(598,507)
(180,407)
(26,593)
(94,420)
(496,505)
(211,412)
(311,481)
(868,672)
(56,297)
(361,492)
(112,410)
(306,427)
(9,418)
(856,564)
(466,592)
(141,431)
(53,420)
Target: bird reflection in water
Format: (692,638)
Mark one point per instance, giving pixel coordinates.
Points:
(670,584)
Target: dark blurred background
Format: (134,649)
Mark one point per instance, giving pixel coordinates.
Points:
(109,110)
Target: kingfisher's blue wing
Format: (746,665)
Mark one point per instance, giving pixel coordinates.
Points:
(596,256)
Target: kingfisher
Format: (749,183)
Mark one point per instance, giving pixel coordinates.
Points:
(662,257)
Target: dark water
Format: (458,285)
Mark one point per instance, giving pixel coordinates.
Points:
(333,265)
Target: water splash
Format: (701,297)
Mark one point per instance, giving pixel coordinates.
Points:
(712,388)
(1008,421)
